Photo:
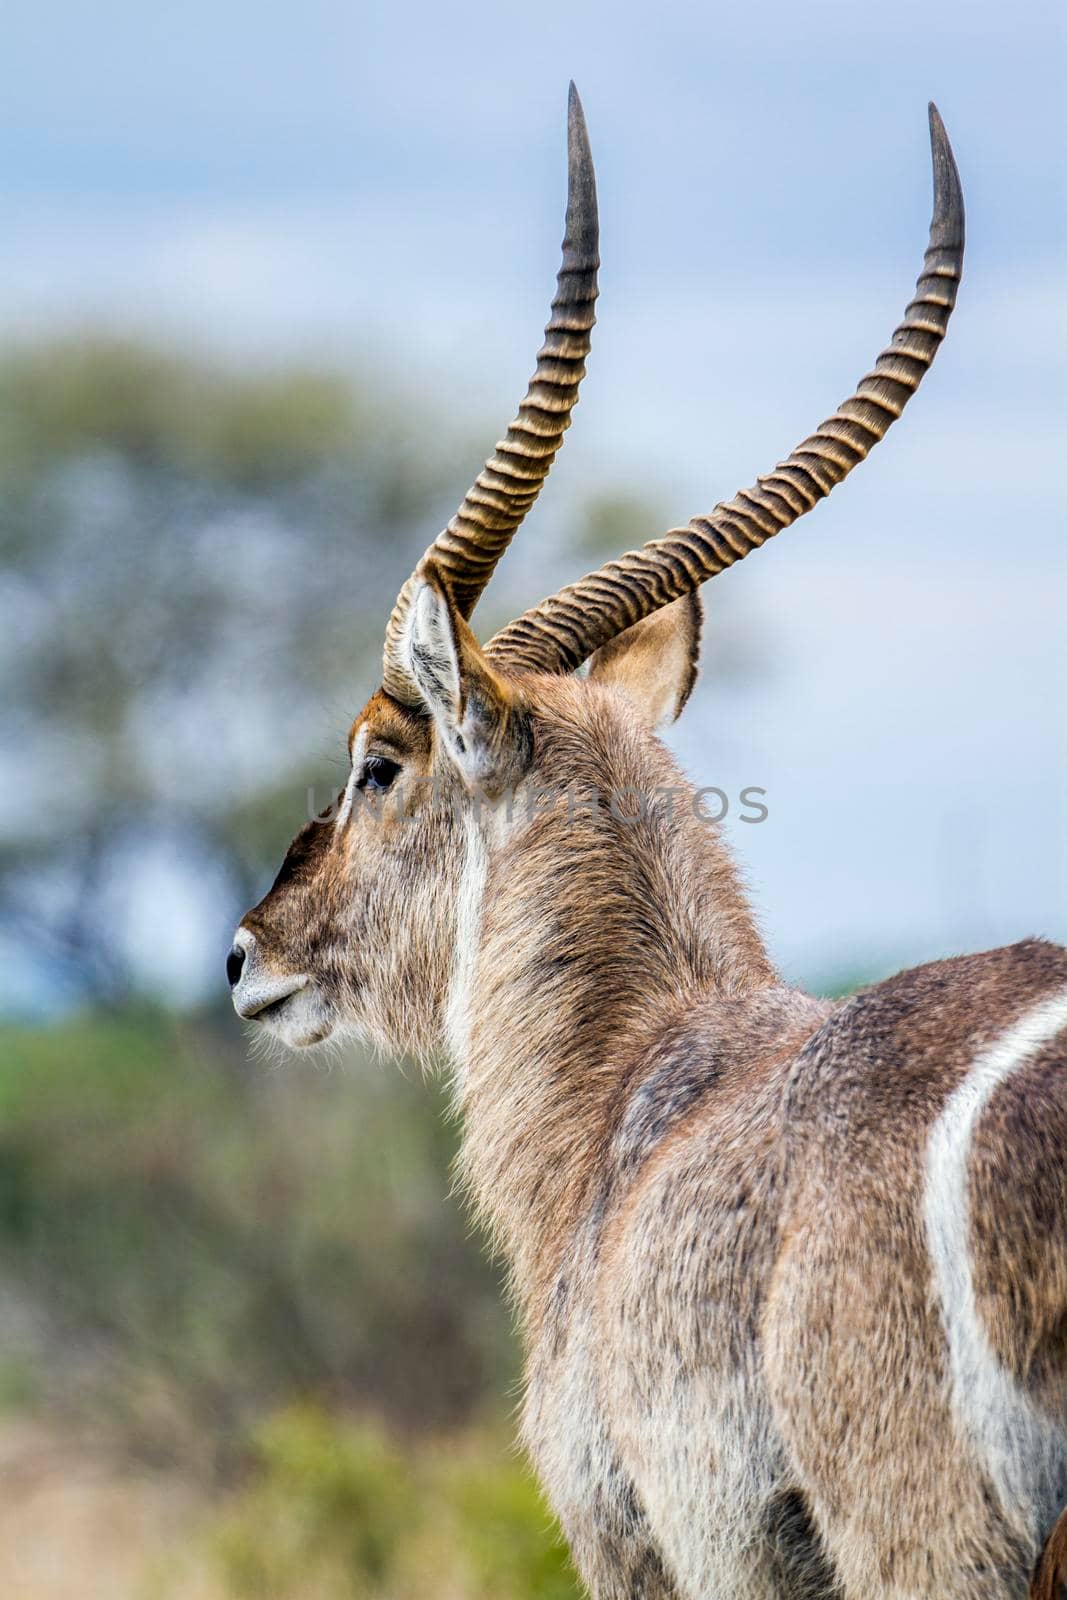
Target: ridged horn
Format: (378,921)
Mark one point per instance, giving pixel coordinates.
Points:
(468,550)
(563,631)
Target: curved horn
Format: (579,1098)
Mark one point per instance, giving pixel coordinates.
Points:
(562,632)
(507,486)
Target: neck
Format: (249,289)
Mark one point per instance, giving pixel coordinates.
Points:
(591,937)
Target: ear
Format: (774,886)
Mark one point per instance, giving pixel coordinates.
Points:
(460,689)
(654,663)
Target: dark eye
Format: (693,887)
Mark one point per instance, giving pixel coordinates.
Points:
(378,773)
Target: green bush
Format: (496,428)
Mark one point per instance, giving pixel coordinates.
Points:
(334,1510)
(326,1512)
(509,1541)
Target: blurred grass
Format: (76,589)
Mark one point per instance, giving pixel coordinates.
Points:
(189,1240)
(327,1507)
(335,1510)
(240,1304)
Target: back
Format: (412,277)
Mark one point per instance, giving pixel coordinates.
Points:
(921,1292)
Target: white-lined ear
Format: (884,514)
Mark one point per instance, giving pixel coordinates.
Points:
(432,651)
(457,685)
(655,662)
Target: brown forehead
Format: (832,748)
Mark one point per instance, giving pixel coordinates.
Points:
(386,719)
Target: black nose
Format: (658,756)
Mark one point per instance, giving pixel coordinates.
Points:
(234,962)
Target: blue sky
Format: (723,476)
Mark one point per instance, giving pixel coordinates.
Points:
(384,183)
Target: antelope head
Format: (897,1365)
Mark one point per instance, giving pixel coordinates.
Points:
(374,913)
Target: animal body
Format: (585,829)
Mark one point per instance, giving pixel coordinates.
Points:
(791,1276)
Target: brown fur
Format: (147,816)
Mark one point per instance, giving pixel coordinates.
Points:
(708,1188)
(1050,1581)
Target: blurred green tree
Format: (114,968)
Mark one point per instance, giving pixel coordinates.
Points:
(194,565)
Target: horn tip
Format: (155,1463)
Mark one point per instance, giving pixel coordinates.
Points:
(576,129)
(582,225)
(948,191)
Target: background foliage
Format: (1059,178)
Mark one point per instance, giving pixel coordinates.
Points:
(238,1293)
(244,1293)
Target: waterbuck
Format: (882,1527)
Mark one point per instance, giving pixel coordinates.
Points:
(791,1275)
